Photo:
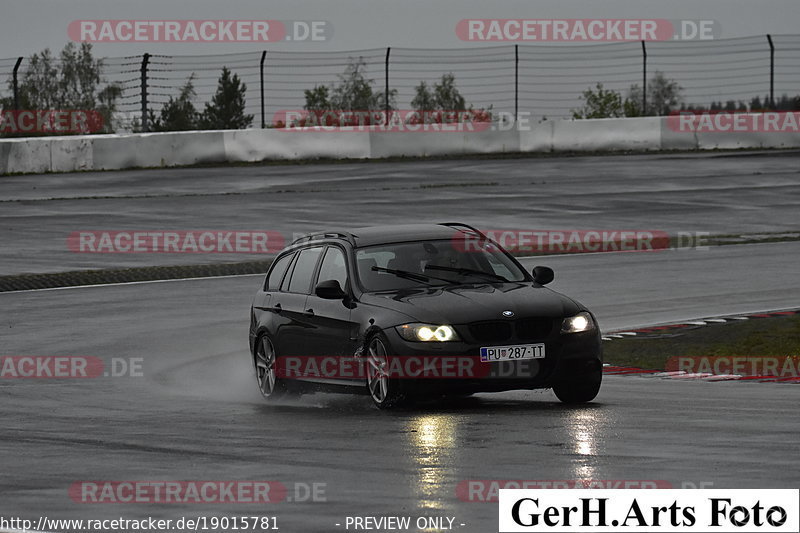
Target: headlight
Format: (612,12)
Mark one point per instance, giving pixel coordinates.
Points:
(578,323)
(427,333)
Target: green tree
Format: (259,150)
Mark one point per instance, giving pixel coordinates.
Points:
(227,106)
(443,96)
(663,96)
(80,76)
(353,92)
(107,105)
(423,98)
(72,81)
(600,103)
(318,98)
(178,114)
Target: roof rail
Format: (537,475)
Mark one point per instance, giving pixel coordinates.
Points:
(326,235)
(455,225)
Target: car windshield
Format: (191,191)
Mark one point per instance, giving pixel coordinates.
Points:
(430,263)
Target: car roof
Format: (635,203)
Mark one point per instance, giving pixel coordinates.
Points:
(373,235)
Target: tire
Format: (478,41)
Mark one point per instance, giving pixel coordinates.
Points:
(386,393)
(581,390)
(269,384)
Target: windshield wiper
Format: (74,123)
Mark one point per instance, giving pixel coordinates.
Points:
(404,274)
(409,275)
(467,271)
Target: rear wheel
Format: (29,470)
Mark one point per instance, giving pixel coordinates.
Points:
(271,386)
(580,390)
(385,391)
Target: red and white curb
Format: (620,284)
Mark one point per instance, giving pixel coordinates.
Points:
(666,329)
(611,370)
(691,324)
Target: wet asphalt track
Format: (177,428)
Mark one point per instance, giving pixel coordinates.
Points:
(717,193)
(195,413)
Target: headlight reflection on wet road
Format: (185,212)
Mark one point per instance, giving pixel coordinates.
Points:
(434,440)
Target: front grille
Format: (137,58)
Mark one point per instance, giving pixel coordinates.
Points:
(494,331)
(529,329)
(524,329)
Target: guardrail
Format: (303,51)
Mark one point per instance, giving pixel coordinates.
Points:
(115,152)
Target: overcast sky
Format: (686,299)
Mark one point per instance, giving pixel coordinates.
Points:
(27,26)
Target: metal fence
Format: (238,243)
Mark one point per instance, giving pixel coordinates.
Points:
(541,80)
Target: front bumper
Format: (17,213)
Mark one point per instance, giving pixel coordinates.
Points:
(571,356)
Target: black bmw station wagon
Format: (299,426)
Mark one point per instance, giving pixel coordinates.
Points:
(413,311)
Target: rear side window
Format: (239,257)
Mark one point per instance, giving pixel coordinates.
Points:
(276,274)
(304,270)
(334,267)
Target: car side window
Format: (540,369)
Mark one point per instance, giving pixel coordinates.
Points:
(288,276)
(304,269)
(273,282)
(333,267)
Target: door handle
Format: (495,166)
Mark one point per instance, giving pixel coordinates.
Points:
(308,312)
(277,308)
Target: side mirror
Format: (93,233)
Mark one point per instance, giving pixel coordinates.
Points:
(543,275)
(329,290)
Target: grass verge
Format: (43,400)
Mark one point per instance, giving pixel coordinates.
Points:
(776,337)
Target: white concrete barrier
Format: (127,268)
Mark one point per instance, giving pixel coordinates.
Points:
(610,134)
(729,132)
(536,137)
(433,143)
(158,149)
(732,141)
(68,154)
(30,156)
(112,152)
(260,145)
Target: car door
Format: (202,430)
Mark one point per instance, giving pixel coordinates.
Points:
(263,313)
(289,304)
(333,335)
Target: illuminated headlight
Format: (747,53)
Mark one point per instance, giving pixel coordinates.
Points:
(427,333)
(575,324)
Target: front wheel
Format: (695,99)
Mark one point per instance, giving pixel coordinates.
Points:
(580,390)
(269,384)
(385,391)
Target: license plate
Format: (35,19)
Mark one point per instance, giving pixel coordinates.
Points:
(516,352)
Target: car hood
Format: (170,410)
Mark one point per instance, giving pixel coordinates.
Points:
(472,303)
